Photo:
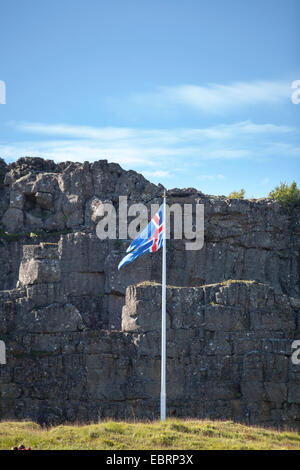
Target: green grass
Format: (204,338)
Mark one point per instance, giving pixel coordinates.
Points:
(172,434)
(228,282)
(40,235)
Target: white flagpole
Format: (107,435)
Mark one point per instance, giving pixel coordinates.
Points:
(163,321)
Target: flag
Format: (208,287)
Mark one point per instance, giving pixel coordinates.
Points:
(149,240)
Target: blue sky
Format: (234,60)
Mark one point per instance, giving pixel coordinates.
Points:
(190,93)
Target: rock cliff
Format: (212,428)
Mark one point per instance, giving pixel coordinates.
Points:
(71,352)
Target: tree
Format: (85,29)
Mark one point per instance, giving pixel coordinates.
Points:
(237,194)
(288,196)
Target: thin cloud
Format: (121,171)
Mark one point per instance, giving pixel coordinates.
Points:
(157,174)
(145,136)
(155,152)
(211,177)
(79,132)
(213,98)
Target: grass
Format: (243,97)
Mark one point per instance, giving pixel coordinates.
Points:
(228,282)
(170,435)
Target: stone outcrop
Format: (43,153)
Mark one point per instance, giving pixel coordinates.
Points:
(228,356)
(75,352)
(244,239)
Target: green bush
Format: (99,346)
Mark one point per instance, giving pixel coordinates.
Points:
(237,194)
(288,196)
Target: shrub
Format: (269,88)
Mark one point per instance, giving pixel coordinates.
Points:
(237,194)
(288,196)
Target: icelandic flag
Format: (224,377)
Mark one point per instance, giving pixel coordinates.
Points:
(149,240)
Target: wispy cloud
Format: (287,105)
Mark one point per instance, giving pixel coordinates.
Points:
(133,144)
(78,132)
(157,174)
(116,137)
(212,98)
(158,153)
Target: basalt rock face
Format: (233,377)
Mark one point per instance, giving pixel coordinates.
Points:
(228,356)
(228,350)
(73,355)
(244,239)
